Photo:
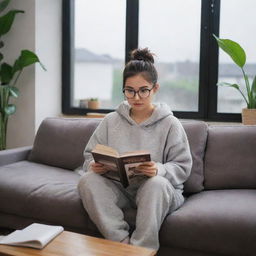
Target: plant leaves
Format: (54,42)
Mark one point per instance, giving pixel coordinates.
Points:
(10,109)
(25,59)
(7,20)
(254,86)
(4,4)
(253,90)
(6,73)
(233,49)
(236,86)
(14,91)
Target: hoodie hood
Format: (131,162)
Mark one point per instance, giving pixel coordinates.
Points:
(160,112)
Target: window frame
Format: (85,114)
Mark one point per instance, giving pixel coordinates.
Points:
(208,61)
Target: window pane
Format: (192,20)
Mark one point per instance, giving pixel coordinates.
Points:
(171,29)
(237,24)
(99,51)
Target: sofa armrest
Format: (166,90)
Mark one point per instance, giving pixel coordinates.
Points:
(14,155)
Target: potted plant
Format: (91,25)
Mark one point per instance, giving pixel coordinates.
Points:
(238,55)
(93,103)
(9,74)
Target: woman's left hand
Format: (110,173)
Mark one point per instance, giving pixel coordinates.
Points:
(148,168)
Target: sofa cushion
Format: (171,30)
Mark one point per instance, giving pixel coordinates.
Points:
(197,135)
(230,159)
(221,222)
(43,193)
(60,142)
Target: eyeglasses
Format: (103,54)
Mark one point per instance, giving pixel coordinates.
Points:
(142,92)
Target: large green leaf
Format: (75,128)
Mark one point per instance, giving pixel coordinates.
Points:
(25,59)
(10,109)
(6,73)
(233,49)
(236,86)
(4,4)
(7,20)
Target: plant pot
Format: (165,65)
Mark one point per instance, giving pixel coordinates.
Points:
(249,116)
(93,104)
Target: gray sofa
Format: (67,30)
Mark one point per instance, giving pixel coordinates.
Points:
(38,184)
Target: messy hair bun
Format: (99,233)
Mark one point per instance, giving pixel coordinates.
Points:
(142,54)
(141,63)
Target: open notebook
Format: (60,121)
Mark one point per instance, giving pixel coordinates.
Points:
(35,235)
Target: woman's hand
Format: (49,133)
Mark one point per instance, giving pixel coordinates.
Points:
(98,168)
(148,168)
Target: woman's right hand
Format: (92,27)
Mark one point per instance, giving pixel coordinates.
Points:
(98,167)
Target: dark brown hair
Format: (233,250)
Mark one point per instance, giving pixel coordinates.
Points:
(142,62)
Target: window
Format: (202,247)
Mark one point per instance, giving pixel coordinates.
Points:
(98,36)
(98,57)
(241,31)
(177,59)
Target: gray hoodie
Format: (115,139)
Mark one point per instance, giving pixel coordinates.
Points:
(161,134)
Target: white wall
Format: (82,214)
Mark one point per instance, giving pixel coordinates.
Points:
(48,47)
(39,30)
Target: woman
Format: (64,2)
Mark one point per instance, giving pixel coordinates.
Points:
(138,124)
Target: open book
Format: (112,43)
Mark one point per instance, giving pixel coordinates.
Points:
(121,167)
(35,236)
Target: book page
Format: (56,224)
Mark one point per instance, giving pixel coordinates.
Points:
(131,164)
(105,150)
(133,174)
(112,172)
(135,153)
(35,235)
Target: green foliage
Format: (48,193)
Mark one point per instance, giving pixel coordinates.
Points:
(238,55)
(25,59)
(7,20)
(4,4)
(5,73)
(9,74)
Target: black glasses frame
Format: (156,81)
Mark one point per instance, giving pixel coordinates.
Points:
(138,92)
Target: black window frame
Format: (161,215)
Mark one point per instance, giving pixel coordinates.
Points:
(208,65)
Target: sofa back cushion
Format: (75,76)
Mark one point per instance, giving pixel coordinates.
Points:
(60,142)
(197,135)
(230,160)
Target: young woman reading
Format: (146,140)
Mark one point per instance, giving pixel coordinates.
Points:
(137,124)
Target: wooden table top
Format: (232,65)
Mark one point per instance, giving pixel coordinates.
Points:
(69,244)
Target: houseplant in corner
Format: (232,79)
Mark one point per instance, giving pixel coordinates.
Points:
(9,74)
(237,53)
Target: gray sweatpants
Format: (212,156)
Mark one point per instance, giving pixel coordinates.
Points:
(104,200)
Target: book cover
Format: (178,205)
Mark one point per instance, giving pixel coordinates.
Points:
(121,167)
(35,235)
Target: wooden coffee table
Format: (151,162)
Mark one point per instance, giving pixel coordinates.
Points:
(73,244)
